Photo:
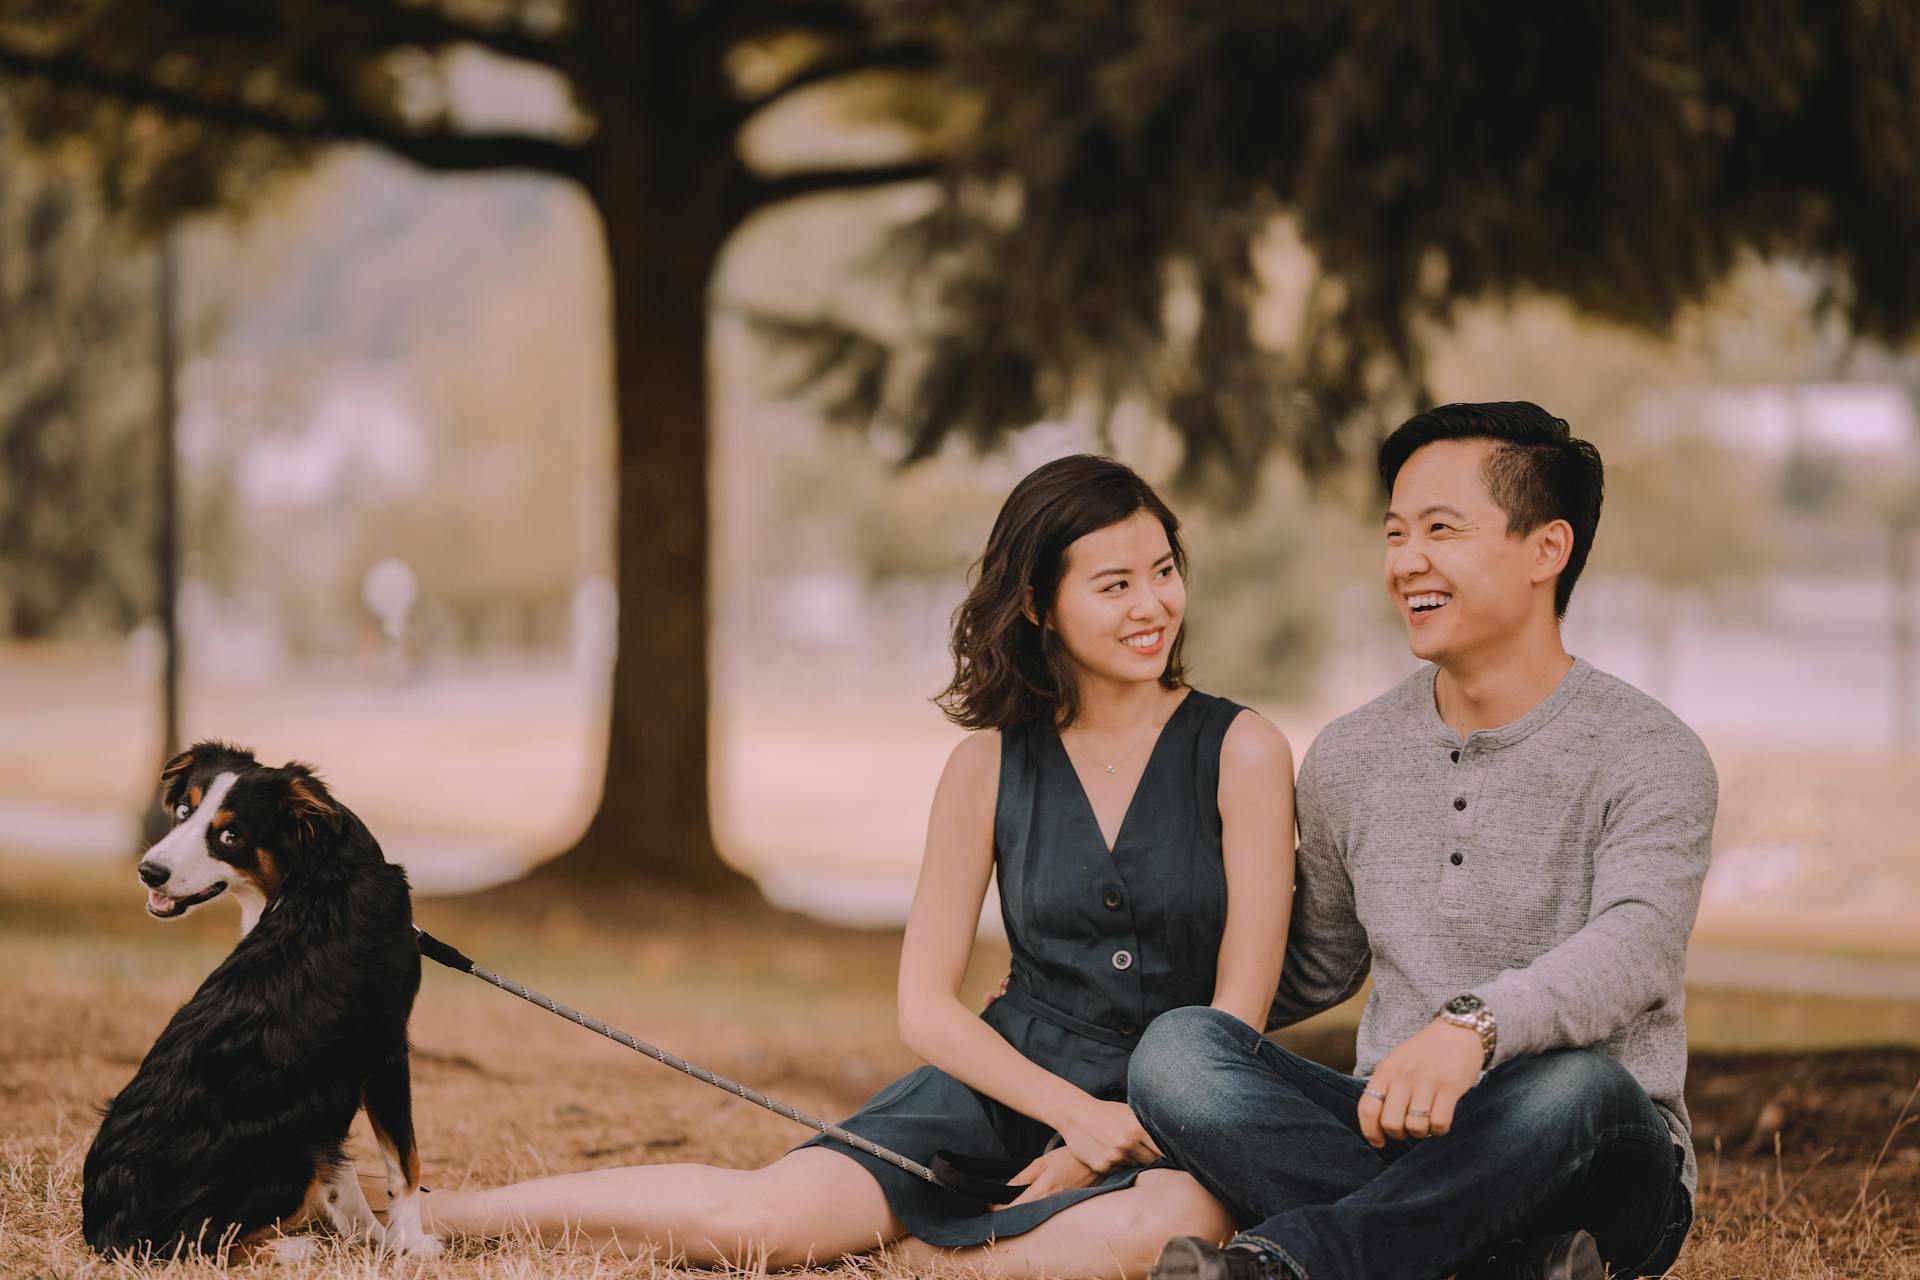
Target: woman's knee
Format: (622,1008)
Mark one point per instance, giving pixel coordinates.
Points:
(1177,1205)
(1165,1204)
(812,1205)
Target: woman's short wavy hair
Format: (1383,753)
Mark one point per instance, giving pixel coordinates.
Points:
(1008,669)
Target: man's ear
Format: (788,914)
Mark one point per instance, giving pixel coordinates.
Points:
(1552,547)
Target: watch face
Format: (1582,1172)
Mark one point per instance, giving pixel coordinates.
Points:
(1463,1006)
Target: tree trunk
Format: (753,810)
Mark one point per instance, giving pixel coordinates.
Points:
(154,823)
(653,821)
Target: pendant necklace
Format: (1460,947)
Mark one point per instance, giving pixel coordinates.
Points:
(1109,769)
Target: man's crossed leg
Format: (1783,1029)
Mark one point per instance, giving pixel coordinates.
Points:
(1551,1143)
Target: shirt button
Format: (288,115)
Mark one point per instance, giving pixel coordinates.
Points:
(1456,859)
(1125,1026)
(1112,899)
(1456,757)
(1123,959)
(1460,803)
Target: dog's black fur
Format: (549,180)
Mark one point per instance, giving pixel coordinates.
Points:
(239,1113)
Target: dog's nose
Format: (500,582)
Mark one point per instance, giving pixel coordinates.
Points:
(153,874)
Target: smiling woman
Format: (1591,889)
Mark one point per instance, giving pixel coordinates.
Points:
(1014,659)
(1141,835)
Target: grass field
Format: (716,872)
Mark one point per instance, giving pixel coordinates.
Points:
(1806,1168)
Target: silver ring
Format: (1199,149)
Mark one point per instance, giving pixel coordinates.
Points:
(1375,1094)
(1412,1113)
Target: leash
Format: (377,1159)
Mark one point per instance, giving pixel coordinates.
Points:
(963,1181)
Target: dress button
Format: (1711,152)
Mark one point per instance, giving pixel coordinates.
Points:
(1456,757)
(1123,959)
(1460,803)
(1456,859)
(1112,899)
(1126,1026)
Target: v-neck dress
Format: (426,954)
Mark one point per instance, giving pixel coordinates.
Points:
(1103,942)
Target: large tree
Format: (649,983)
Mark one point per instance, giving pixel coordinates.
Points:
(657,151)
(77,451)
(1110,170)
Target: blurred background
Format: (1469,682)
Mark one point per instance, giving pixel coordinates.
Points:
(576,451)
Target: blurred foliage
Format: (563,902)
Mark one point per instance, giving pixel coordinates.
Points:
(1113,170)
(1686,515)
(1266,581)
(77,453)
(1101,230)
(1251,220)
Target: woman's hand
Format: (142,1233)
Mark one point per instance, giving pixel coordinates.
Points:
(1057,1170)
(1106,1135)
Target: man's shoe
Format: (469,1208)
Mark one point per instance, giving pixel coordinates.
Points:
(1191,1258)
(1570,1257)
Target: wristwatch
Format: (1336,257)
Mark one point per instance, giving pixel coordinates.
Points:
(1467,1011)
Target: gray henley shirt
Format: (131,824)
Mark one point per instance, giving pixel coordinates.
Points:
(1551,867)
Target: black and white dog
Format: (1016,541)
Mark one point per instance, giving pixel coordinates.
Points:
(236,1122)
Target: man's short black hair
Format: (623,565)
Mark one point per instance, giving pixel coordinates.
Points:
(1539,471)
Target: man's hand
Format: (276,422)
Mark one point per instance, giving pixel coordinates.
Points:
(1057,1170)
(1414,1089)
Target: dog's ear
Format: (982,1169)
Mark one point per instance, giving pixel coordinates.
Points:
(211,753)
(308,804)
(173,779)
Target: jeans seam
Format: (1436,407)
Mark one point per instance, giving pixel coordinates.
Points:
(1286,1259)
(1673,1223)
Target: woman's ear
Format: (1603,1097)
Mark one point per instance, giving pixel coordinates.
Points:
(1026,605)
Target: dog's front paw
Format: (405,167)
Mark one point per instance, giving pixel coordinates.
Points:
(295,1248)
(423,1245)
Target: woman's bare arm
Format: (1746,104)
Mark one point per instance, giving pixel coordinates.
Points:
(933,964)
(1256,844)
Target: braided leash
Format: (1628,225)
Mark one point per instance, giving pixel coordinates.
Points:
(436,950)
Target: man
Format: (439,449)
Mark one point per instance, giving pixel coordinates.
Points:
(1513,843)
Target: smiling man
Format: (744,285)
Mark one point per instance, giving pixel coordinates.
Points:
(1512,842)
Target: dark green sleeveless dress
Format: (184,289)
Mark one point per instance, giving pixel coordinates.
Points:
(1102,944)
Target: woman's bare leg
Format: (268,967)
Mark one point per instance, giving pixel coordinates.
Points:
(1119,1234)
(809,1205)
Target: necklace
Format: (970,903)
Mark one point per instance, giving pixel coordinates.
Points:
(1105,766)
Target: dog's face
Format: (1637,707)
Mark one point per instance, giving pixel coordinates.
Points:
(238,826)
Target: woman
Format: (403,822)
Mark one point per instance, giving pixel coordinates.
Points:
(1142,835)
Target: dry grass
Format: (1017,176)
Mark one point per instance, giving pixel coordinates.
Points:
(504,1091)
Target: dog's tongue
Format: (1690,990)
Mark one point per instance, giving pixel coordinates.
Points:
(158,901)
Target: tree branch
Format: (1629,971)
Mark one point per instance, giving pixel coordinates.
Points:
(903,57)
(426,24)
(724,24)
(813,182)
(335,122)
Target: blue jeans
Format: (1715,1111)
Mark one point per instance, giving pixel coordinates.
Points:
(1542,1145)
